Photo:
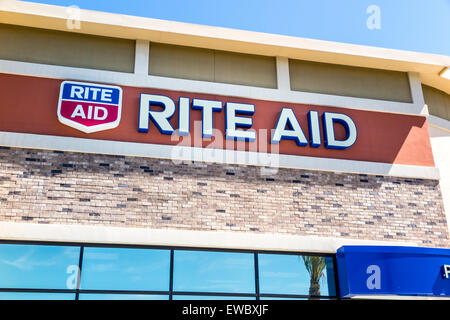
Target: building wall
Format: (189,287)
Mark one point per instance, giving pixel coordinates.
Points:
(438,103)
(104,53)
(54,187)
(440,142)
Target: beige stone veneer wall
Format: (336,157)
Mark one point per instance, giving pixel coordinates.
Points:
(75,188)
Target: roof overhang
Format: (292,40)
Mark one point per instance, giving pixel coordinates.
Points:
(428,66)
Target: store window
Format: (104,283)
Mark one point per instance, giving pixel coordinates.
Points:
(52,272)
(211,297)
(115,296)
(208,271)
(125,269)
(36,296)
(36,266)
(296,274)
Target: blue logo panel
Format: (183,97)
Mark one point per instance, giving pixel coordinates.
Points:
(90,92)
(385,270)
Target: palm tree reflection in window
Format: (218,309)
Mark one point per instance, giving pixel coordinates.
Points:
(315,266)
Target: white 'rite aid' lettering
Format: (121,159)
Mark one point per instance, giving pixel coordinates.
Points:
(159,118)
(76,91)
(92,93)
(238,120)
(183,116)
(103,110)
(232,121)
(329,119)
(106,95)
(287,117)
(314,129)
(79,112)
(207,107)
(374,280)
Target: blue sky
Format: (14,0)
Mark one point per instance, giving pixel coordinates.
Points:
(416,25)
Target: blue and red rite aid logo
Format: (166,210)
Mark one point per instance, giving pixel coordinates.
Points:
(89,107)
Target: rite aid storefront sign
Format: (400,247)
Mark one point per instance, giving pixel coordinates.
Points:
(187,125)
(92,107)
(384,270)
(89,107)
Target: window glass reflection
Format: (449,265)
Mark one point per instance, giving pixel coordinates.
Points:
(281,298)
(189,297)
(294,274)
(207,271)
(125,269)
(97,296)
(135,269)
(36,296)
(38,266)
